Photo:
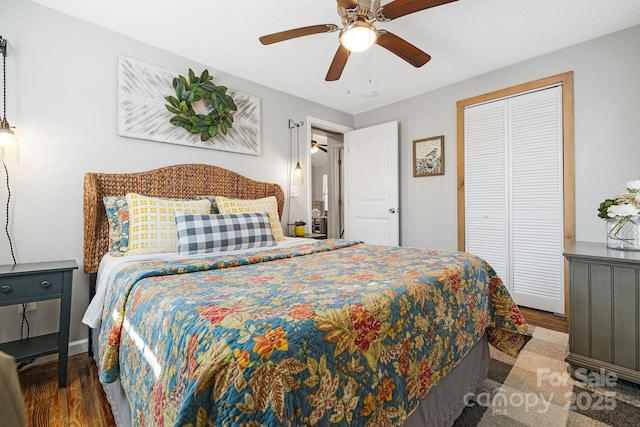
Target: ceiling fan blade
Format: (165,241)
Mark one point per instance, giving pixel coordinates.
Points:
(399,8)
(403,49)
(323,149)
(347,4)
(338,63)
(298,32)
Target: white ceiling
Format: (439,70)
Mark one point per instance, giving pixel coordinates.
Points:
(464,38)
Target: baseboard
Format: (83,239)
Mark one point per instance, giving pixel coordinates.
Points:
(75,347)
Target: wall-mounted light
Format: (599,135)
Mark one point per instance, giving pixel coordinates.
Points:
(298,177)
(8,140)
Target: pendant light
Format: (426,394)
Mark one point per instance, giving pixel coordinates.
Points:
(298,177)
(8,143)
(8,140)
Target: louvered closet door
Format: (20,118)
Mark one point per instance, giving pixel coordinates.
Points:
(536,199)
(486,196)
(513,194)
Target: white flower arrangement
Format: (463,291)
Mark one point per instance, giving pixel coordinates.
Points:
(624,205)
(620,211)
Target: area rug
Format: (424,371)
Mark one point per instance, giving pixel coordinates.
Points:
(535,389)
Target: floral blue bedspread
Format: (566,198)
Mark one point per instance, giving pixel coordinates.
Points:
(330,333)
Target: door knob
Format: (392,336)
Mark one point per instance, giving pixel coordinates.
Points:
(392,210)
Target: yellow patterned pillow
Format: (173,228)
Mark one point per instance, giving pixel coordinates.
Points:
(268,205)
(152,225)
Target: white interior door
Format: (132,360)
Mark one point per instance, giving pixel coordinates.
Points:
(372,185)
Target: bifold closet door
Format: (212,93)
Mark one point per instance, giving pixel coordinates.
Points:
(536,199)
(486,186)
(513,193)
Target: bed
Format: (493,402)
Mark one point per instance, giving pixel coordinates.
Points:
(303,332)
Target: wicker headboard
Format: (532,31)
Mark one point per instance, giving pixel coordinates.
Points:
(181,181)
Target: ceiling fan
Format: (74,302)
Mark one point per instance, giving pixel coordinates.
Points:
(358,32)
(315,146)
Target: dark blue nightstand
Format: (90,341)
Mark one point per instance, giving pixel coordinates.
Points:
(22,283)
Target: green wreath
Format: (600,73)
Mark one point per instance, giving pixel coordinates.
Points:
(215,100)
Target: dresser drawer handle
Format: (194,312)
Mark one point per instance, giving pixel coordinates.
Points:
(45,284)
(6,289)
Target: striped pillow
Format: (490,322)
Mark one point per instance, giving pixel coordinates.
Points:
(212,233)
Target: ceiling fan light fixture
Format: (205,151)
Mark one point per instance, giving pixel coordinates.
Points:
(358,36)
(314,147)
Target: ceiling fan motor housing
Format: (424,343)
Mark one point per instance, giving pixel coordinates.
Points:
(366,10)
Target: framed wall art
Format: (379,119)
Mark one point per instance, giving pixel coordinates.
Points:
(428,156)
(142,114)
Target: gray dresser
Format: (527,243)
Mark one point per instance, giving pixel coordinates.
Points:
(604,311)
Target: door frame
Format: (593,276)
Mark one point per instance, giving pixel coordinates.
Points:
(313,122)
(335,227)
(569,214)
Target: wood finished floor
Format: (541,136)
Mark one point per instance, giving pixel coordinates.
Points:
(545,319)
(83,402)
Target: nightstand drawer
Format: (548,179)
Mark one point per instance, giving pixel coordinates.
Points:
(42,286)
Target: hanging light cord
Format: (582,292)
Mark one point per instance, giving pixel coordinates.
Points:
(3,48)
(6,223)
(24,320)
(290,165)
(298,141)
(4,80)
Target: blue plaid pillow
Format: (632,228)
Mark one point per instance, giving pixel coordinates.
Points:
(211,233)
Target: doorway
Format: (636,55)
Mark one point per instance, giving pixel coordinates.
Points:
(327,213)
(363,175)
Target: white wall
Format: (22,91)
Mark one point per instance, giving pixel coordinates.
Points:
(607,134)
(62,83)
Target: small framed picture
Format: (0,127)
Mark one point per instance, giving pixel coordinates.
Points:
(428,156)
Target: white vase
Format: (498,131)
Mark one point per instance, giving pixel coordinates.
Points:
(624,233)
